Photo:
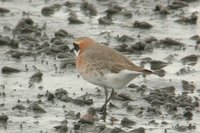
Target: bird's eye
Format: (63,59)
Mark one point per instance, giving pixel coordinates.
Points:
(76,47)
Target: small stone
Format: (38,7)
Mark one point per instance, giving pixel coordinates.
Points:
(127,122)
(188,20)
(150,39)
(8,70)
(105,21)
(89,8)
(113,10)
(176,4)
(74,20)
(113,119)
(195,37)
(117,130)
(137,47)
(60,92)
(156,64)
(50,96)
(62,128)
(35,107)
(49,10)
(160,72)
(188,114)
(90,117)
(127,13)
(125,38)
(142,25)
(188,86)
(4,40)
(61,33)
(121,48)
(36,77)
(3,118)
(124,97)
(190,59)
(169,90)
(4,10)
(153,122)
(25,25)
(19,107)
(137,130)
(162,9)
(83,100)
(164,123)
(169,42)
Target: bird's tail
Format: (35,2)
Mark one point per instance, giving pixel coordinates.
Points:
(146,71)
(160,73)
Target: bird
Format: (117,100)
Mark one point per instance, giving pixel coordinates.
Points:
(105,67)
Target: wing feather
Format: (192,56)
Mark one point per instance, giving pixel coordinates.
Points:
(106,59)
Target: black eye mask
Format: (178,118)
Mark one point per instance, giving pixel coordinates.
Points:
(76,47)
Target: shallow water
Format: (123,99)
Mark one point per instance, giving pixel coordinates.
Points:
(17,85)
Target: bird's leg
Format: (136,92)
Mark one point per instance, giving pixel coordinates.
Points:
(104,107)
(110,97)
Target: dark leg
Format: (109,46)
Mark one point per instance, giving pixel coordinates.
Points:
(111,95)
(104,107)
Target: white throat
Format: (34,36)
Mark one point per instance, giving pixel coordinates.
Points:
(76,52)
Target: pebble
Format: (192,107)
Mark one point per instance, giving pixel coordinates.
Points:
(142,25)
(49,10)
(169,90)
(127,13)
(137,47)
(137,130)
(105,21)
(3,118)
(50,96)
(7,41)
(37,108)
(83,100)
(184,70)
(74,20)
(62,128)
(125,96)
(169,42)
(188,86)
(163,10)
(127,122)
(188,20)
(114,9)
(4,10)
(60,92)
(125,38)
(90,117)
(9,70)
(190,59)
(160,72)
(89,8)
(25,25)
(157,64)
(176,4)
(61,33)
(36,77)
(18,107)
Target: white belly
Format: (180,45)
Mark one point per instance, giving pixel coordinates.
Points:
(112,80)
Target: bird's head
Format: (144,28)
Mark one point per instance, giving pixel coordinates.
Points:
(82,43)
